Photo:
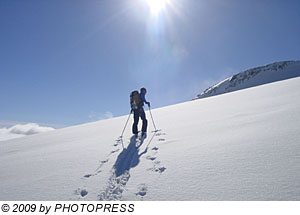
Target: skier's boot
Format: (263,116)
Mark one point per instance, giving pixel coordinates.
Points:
(144,135)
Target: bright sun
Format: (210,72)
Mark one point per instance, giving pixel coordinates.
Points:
(157,5)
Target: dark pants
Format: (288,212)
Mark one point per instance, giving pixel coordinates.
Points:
(136,116)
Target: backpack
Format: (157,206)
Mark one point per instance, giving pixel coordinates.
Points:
(134,100)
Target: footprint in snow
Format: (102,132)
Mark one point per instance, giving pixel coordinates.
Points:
(103,162)
(157,169)
(119,139)
(159,134)
(161,169)
(88,175)
(142,190)
(150,158)
(81,192)
(98,170)
(114,151)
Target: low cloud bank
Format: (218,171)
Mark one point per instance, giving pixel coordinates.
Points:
(21,130)
(28,129)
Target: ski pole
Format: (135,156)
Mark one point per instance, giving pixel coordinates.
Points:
(125,125)
(152,118)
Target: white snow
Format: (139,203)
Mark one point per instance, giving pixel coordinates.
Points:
(255,77)
(243,145)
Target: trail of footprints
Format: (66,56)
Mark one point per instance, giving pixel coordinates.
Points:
(156,163)
(116,185)
(82,192)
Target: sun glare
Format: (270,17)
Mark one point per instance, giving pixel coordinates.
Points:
(157,5)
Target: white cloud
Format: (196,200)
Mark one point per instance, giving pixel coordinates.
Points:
(108,115)
(28,129)
(94,116)
(21,130)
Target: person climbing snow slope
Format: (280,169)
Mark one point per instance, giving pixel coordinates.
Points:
(138,111)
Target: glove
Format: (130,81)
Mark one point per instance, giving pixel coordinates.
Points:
(148,103)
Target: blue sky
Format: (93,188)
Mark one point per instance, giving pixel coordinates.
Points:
(66,62)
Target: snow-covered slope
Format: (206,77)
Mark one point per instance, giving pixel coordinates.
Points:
(239,146)
(254,77)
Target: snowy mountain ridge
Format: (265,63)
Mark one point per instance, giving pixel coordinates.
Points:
(254,77)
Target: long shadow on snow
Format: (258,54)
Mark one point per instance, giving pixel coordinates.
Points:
(127,159)
(130,156)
